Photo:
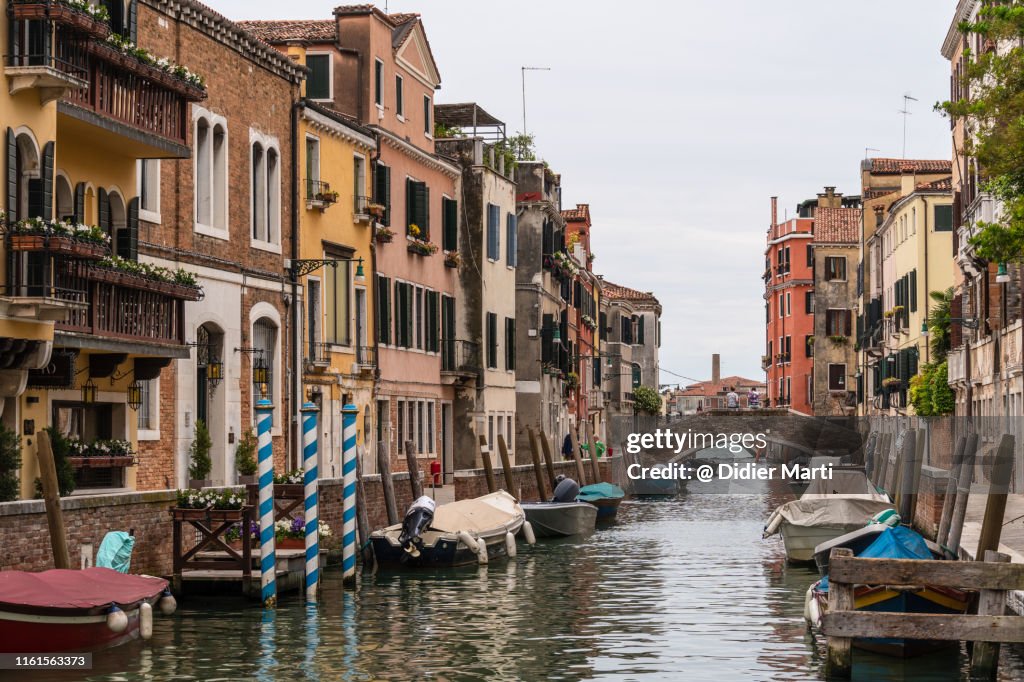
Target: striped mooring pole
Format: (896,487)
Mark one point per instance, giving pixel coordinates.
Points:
(348,501)
(268,555)
(312,514)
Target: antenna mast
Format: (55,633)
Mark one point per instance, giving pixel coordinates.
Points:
(523,71)
(907,99)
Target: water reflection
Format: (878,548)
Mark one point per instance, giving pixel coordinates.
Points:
(678,589)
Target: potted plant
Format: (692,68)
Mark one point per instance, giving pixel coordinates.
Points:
(291,533)
(839,339)
(192,504)
(245,458)
(891,383)
(383,235)
(234,535)
(200,463)
(376,210)
(452,259)
(289,485)
(10,464)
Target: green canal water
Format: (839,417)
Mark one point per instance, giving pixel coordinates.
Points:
(680,589)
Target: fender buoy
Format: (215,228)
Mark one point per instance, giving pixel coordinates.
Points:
(528,535)
(468,540)
(167,604)
(117,620)
(481,555)
(145,620)
(510,545)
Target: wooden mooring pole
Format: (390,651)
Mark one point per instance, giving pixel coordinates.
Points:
(415,480)
(506,465)
(387,484)
(485,459)
(581,473)
(840,599)
(588,428)
(963,491)
(950,497)
(51,500)
(549,461)
(535,458)
(995,505)
(985,656)
(362,516)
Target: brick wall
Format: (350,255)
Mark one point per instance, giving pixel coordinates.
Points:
(157,457)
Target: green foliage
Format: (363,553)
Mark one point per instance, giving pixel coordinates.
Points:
(993,113)
(200,463)
(10,464)
(646,399)
(930,393)
(245,454)
(443,132)
(939,324)
(62,449)
(519,147)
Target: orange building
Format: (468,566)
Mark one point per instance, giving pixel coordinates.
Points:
(585,399)
(789,309)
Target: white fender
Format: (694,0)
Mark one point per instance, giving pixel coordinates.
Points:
(528,535)
(468,540)
(510,545)
(772,527)
(481,555)
(812,614)
(117,620)
(167,604)
(145,620)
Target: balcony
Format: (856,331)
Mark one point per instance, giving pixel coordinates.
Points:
(361,209)
(318,356)
(48,49)
(366,358)
(957,367)
(319,196)
(460,360)
(595,399)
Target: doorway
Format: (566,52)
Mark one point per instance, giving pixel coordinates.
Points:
(447,451)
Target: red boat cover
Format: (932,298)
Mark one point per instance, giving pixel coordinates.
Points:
(74,590)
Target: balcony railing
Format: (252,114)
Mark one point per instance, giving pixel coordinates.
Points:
(595,399)
(460,357)
(318,354)
(366,357)
(319,195)
(361,207)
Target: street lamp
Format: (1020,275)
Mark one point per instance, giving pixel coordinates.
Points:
(135,395)
(301,268)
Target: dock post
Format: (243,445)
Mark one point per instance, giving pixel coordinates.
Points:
(415,484)
(840,598)
(995,505)
(535,458)
(51,499)
(362,517)
(268,555)
(311,509)
(387,484)
(963,491)
(506,465)
(348,495)
(985,656)
(549,462)
(578,456)
(485,459)
(950,496)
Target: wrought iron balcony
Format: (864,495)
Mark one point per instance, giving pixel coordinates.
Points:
(318,355)
(366,358)
(460,359)
(319,195)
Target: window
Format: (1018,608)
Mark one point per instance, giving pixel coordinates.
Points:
(789,304)
(493,235)
(492,341)
(403,315)
(378,83)
(511,240)
(359,184)
(312,167)
(510,344)
(838,322)
(417,208)
(383,297)
(943,218)
(264,341)
(419,317)
(809,346)
(640,330)
(145,413)
(449,224)
(399,97)
(782,306)
(314,303)
(265,190)
(319,85)
(427,111)
(810,256)
(835,268)
(148,190)
(809,302)
(210,151)
(401,426)
(382,190)
(432,334)
(837,377)
(338,286)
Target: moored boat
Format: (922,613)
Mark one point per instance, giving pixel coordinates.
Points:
(807,523)
(656,487)
(464,532)
(562,516)
(605,496)
(892,543)
(77,611)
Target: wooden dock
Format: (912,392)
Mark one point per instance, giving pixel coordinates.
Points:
(290,574)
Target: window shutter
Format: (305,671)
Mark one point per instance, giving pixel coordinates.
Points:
(128,238)
(640,330)
(510,343)
(103,202)
(133,21)
(47,179)
(409,311)
(547,239)
(386,196)
(450,220)
(547,326)
(410,203)
(913,290)
(512,241)
(426,211)
(80,202)
(848,322)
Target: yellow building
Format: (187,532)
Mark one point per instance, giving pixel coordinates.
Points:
(82,323)
(335,244)
(912,257)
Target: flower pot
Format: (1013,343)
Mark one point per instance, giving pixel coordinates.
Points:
(247,480)
(290,543)
(199,483)
(27,242)
(295,491)
(179,514)
(223,515)
(384,238)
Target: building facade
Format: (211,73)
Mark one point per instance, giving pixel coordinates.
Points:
(631,349)
(586,394)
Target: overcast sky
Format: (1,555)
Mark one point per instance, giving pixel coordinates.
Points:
(676,121)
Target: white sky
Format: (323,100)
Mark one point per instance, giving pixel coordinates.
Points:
(676,121)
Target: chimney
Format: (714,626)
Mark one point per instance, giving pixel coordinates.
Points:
(908,182)
(830,199)
(775,212)
(716,368)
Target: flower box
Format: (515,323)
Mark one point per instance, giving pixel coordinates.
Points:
(295,491)
(451,260)
(109,53)
(421,248)
(180,514)
(290,543)
(225,515)
(384,237)
(96,462)
(62,14)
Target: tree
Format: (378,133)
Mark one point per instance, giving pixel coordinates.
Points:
(939,324)
(245,454)
(646,400)
(930,393)
(61,447)
(200,464)
(992,111)
(10,464)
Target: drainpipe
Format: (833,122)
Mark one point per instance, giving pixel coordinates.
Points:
(296,387)
(371,286)
(926,289)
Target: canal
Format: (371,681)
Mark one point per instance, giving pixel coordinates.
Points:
(678,589)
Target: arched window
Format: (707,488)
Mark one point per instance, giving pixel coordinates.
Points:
(265,187)
(65,199)
(211,174)
(264,342)
(259,194)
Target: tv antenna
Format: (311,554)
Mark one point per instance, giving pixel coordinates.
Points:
(869,149)
(524,70)
(907,99)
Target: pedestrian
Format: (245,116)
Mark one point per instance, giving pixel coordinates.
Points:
(753,399)
(732,399)
(567,452)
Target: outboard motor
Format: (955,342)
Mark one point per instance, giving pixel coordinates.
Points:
(566,490)
(416,520)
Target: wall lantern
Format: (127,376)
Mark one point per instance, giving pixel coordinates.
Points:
(214,373)
(89,392)
(135,395)
(261,376)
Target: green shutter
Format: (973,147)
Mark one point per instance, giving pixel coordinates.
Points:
(450,219)
(46,172)
(103,202)
(410,203)
(79,203)
(128,238)
(133,21)
(12,176)
(913,290)
(426,211)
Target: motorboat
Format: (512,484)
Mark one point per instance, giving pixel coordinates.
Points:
(563,515)
(471,531)
(892,543)
(69,611)
(656,487)
(605,496)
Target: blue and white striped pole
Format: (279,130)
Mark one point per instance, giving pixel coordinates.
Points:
(312,513)
(348,500)
(268,556)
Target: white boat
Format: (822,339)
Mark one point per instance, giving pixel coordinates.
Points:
(829,508)
(454,534)
(560,519)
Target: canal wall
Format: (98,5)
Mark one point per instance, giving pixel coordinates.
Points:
(25,538)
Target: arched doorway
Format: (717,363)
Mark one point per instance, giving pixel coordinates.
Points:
(210,404)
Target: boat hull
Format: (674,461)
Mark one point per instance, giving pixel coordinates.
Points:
(607,509)
(800,541)
(25,633)
(446,552)
(554,519)
(661,487)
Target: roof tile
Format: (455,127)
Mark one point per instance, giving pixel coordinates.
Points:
(899,166)
(837,225)
(618,292)
(312,30)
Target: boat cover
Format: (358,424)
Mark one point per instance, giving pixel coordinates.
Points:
(477,515)
(116,551)
(827,510)
(600,491)
(845,482)
(893,543)
(74,590)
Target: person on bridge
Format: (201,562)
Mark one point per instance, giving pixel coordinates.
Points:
(753,399)
(732,399)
